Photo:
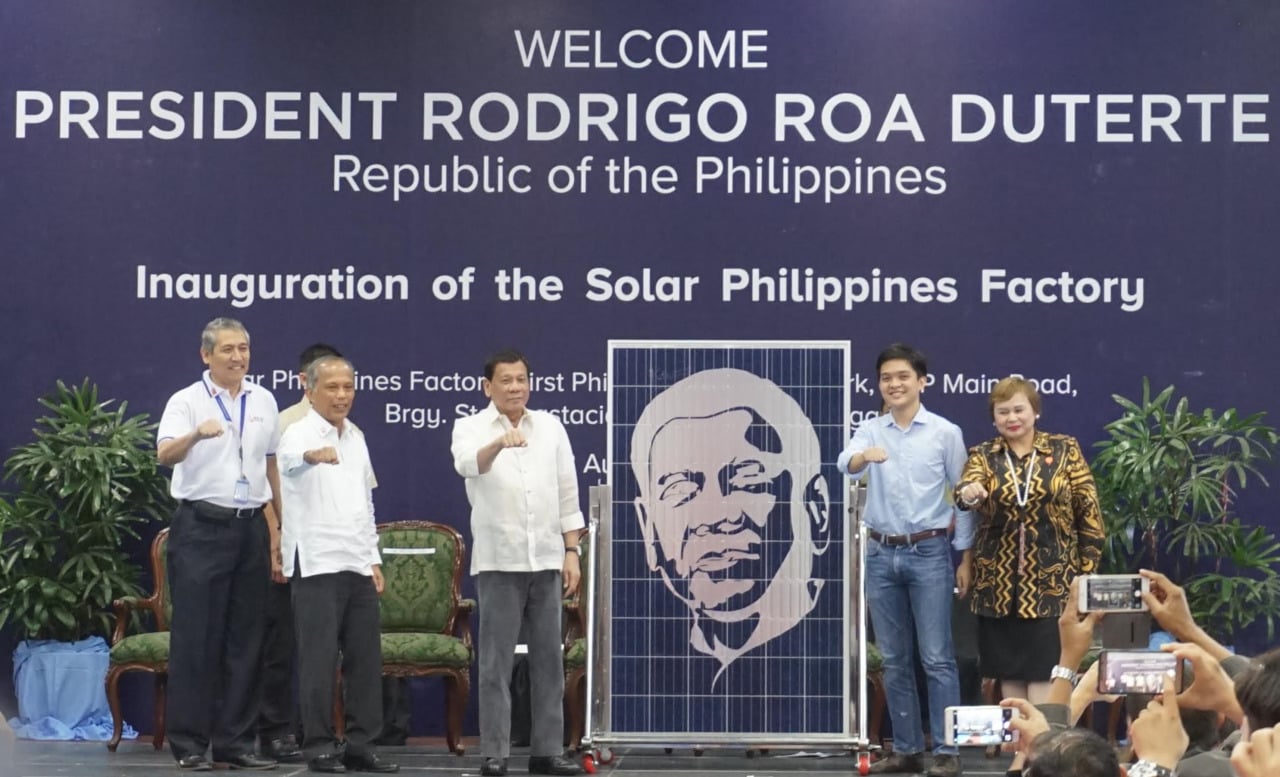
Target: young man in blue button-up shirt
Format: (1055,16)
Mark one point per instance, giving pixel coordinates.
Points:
(911,458)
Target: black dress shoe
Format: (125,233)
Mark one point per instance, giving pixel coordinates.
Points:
(552,764)
(330,764)
(251,761)
(284,750)
(369,763)
(195,763)
(493,767)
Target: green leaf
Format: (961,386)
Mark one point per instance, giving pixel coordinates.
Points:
(83,481)
(1168,476)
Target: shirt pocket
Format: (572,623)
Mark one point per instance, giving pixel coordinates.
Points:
(343,495)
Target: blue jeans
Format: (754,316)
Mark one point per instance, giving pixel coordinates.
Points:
(906,584)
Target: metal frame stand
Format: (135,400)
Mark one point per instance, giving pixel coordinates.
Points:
(596,746)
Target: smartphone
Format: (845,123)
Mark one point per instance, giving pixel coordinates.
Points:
(1112,593)
(988,725)
(1137,671)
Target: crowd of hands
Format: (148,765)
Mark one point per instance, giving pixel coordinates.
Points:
(1157,734)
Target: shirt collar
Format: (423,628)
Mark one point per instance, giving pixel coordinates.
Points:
(922,417)
(1039,443)
(323,426)
(494,417)
(213,389)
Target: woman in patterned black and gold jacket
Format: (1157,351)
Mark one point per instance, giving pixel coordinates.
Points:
(1039,527)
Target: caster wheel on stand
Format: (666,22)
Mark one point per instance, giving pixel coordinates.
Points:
(589,764)
(864,763)
(604,757)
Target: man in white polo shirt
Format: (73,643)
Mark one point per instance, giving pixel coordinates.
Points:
(330,548)
(219,435)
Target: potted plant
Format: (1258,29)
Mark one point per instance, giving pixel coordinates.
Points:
(1168,477)
(87,480)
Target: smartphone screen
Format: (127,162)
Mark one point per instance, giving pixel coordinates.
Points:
(1113,593)
(1137,671)
(985,725)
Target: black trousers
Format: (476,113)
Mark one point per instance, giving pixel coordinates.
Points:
(277,717)
(219,571)
(332,612)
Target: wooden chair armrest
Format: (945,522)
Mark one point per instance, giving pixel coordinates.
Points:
(124,607)
(462,624)
(575,626)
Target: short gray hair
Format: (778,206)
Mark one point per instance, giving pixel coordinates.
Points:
(313,369)
(209,337)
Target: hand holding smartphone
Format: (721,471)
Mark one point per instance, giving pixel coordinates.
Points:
(1137,671)
(981,726)
(1112,593)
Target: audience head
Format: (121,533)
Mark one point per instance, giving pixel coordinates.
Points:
(1258,691)
(1071,752)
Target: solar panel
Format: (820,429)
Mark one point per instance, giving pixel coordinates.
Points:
(724,586)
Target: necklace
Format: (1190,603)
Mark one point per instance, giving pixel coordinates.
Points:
(1021,492)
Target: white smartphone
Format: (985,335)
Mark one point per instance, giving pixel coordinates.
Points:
(982,726)
(1137,671)
(1112,593)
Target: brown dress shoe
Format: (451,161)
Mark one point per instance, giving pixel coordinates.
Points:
(944,765)
(899,763)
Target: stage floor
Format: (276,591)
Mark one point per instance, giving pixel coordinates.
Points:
(421,757)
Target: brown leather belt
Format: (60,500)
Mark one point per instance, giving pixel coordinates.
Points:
(898,540)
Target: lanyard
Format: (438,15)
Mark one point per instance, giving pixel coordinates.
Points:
(240,434)
(1023,495)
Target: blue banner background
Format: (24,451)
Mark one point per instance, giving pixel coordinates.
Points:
(1191,219)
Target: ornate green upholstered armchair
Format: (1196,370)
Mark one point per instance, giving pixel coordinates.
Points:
(146,651)
(575,651)
(426,628)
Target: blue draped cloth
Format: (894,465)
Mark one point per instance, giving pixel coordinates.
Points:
(60,690)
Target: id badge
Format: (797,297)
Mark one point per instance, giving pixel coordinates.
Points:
(242,490)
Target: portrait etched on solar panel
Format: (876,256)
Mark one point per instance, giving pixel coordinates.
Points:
(732,505)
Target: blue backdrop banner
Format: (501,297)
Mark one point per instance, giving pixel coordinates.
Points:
(1080,193)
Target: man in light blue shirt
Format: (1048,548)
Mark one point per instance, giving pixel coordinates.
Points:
(911,458)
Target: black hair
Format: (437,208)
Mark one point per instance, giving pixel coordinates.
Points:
(1071,752)
(906,352)
(1258,691)
(505,356)
(313,352)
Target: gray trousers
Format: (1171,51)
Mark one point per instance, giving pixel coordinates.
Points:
(509,600)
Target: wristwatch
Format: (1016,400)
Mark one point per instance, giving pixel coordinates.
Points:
(573,549)
(1148,769)
(1065,673)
